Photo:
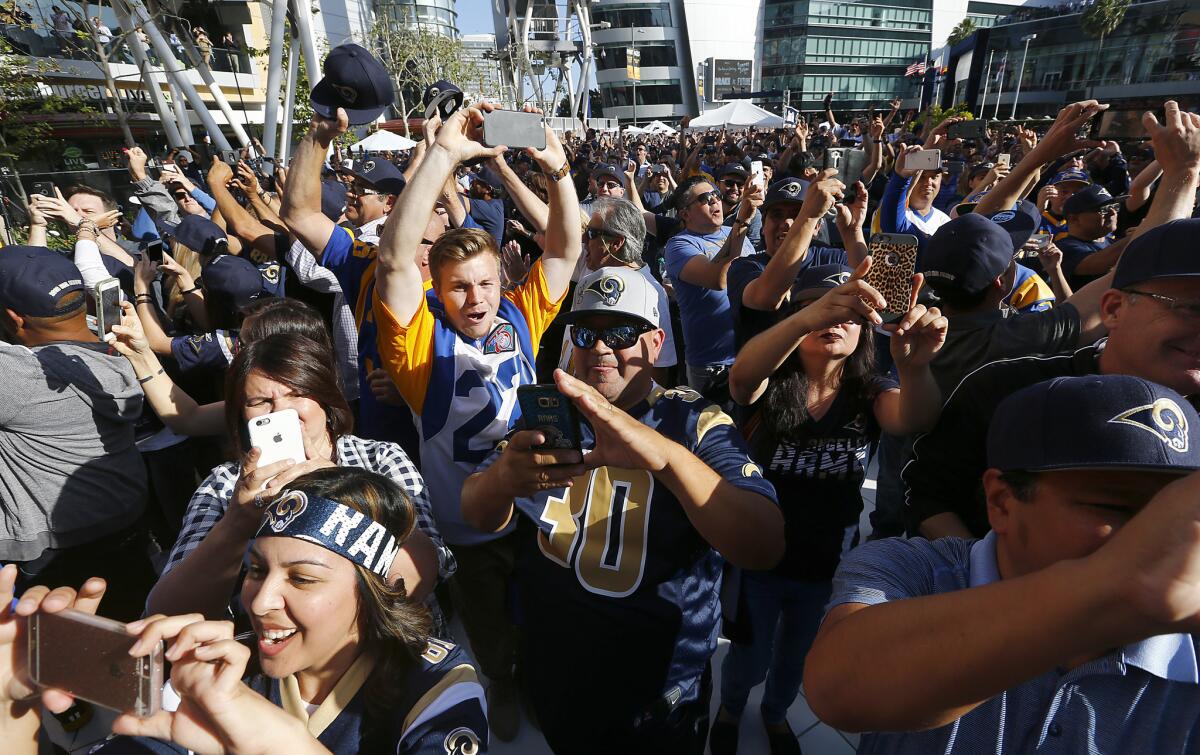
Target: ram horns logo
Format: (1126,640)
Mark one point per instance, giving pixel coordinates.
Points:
(1163,419)
(792,188)
(368,166)
(609,289)
(284,510)
(837,279)
(461,741)
(349,94)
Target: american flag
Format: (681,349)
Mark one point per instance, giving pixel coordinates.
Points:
(916,69)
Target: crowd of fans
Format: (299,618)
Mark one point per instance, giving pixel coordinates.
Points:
(1029,577)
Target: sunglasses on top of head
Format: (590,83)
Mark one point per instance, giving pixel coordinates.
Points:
(616,337)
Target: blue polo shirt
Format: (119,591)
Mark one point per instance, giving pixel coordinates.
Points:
(707,320)
(1142,698)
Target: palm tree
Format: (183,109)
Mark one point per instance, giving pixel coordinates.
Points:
(965,28)
(1101,19)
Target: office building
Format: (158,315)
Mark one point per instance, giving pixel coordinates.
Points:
(1152,56)
(439,16)
(481,52)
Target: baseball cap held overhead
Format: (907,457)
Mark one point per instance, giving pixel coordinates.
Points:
(35,281)
(355,81)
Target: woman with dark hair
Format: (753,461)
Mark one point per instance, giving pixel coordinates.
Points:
(284,371)
(814,405)
(345,660)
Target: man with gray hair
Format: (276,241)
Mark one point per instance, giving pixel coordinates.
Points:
(614,237)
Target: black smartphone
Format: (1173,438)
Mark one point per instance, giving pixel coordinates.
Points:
(848,163)
(154,251)
(45,188)
(514,129)
(973,129)
(230,157)
(544,408)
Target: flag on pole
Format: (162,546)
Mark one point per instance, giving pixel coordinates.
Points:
(916,69)
(1000,68)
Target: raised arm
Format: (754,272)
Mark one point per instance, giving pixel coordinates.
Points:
(239,222)
(564,232)
(301,208)
(398,278)
(1059,140)
(1139,188)
(527,203)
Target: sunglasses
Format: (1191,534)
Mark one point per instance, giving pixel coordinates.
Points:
(731,184)
(180,196)
(708,197)
(597,233)
(616,337)
(1109,210)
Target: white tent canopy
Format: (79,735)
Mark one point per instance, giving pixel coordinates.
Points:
(737,114)
(634,130)
(658,127)
(383,141)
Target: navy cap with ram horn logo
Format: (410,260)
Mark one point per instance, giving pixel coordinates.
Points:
(443,98)
(354,81)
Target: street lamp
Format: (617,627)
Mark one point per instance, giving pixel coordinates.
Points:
(1021,74)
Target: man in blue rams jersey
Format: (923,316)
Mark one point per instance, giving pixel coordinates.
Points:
(457,357)
(620,553)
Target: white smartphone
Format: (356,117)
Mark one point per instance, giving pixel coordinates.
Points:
(107,294)
(756,171)
(277,435)
(925,159)
(1004,160)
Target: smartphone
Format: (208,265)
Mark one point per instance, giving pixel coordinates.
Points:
(848,163)
(1004,160)
(107,294)
(277,436)
(88,656)
(545,409)
(893,263)
(756,172)
(154,251)
(45,188)
(972,129)
(514,129)
(925,159)
(230,156)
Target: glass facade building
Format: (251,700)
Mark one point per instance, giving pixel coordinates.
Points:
(1153,55)
(666,90)
(435,15)
(857,50)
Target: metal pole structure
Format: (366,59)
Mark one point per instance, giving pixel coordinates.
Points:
(274,70)
(987,79)
(289,103)
(201,65)
(142,17)
(1000,86)
(181,115)
(142,61)
(1021,75)
(633,40)
(302,19)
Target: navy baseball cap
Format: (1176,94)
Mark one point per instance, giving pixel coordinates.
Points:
(966,254)
(1020,222)
(333,199)
(232,281)
(1090,198)
(34,281)
(1165,251)
(355,81)
(443,98)
(603,169)
(814,280)
(736,170)
(785,190)
(380,174)
(1074,174)
(197,233)
(1095,422)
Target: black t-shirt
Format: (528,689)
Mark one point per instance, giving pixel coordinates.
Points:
(1074,251)
(817,474)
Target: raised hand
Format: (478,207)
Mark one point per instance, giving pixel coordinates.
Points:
(1061,137)
(851,216)
(462,135)
(326,130)
(919,335)
(853,301)
(821,194)
(1176,140)
(621,441)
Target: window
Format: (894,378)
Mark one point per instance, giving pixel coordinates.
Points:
(652,55)
(659,92)
(651,15)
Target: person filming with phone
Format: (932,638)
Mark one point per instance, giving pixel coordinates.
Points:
(667,473)
(72,483)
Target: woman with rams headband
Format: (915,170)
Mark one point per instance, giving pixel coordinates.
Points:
(345,662)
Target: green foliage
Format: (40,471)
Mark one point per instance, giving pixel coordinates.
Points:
(1102,17)
(934,114)
(26,105)
(965,28)
(417,57)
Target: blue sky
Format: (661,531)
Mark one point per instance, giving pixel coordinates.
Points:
(475,17)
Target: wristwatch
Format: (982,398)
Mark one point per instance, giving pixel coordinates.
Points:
(558,174)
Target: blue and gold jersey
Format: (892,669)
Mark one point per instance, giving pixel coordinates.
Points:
(1029,292)
(613,566)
